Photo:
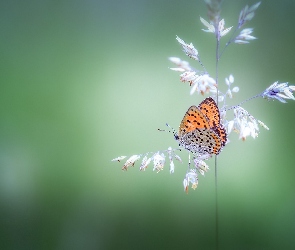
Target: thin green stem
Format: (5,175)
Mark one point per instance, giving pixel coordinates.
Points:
(253,97)
(216,196)
(229,42)
(216,206)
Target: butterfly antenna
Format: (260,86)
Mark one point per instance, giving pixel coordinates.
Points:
(172,130)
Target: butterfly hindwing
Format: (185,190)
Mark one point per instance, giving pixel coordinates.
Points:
(201,141)
(222,135)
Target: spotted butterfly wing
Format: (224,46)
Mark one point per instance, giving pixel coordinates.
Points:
(193,119)
(202,141)
(222,135)
(210,109)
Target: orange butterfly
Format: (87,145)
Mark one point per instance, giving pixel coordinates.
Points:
(200,130)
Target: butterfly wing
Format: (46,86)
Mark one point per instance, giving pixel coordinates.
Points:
(193,119)
(210,109)
(202,141)
(221,132)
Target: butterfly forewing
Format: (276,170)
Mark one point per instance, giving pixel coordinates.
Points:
(210,109)
(193,119)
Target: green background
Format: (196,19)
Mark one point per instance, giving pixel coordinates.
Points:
(83,82)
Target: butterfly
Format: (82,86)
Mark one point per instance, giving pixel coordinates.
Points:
(200,130)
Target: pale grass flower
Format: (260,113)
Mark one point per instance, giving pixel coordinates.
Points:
(120,158)
(279,91)
(171,167)
(213,8)
(188,49)
(159,162)
(201,166)
(177,157)
(181,65)
(210,26)
(191,177)
(229,81)
(144,163)
(244,36)
(189,76)
(131,161)
(172,155)
(263,125)
(221,31)
(247,13)
(211,29)
(244,124)
(203,84)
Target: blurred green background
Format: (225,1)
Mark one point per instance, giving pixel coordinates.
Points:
(83,82)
